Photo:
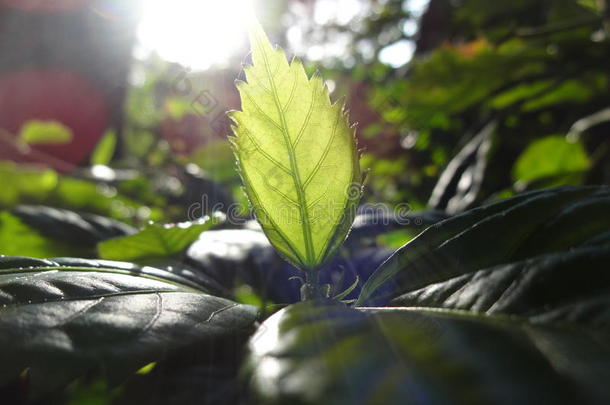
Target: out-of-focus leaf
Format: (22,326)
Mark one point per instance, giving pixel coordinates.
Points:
(448,82)
(104,150)
(101,199)
(395,239)
(26,184)
(460,184)
(228,254)
(519,93)
(138,142)
(18,239)
(591,4)
(156,241)
(375,220)
(35,131)
(571,91)
(499,19)
(550,157)
(178,107)
(297,157)
(78,229)
(94,393)
(62,318)
(217,159)
(21,183)
(203,195)
(489,236)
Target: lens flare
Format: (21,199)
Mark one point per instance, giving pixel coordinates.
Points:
(194,33)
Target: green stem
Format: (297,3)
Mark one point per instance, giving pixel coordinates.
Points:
(311,288)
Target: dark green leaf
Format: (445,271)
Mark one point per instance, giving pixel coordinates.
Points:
(488,236)
(61,318)
(459,185)
(314,353)
(22,182)
(80,229)
(568,286)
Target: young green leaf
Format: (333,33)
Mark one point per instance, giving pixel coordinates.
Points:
(35,131)
(19,239)
(297,156)
(155,241)
(561,157)
(102,154)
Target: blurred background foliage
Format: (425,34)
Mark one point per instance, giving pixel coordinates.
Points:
(457,102)
(116,109)
(532,69)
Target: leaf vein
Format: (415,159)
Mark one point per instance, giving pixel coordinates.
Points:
(271,221)
(264,114)
(317,200)
(307,236)
(265,154)
(277,190)
(307,118)
(324,154)
(292,92)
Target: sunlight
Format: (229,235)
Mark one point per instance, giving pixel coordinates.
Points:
(194,33)
(398,53)
(338,11)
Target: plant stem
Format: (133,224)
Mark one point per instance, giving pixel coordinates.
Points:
(311,288)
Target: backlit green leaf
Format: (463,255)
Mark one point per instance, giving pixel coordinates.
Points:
(35,131)
(296,155)
(155,241)
(548,157)
(25,183)
(18,239)
(102,154)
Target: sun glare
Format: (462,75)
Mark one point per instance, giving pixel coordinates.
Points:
(194,33)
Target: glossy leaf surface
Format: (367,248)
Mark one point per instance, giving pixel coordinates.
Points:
(518,228)
(64,317)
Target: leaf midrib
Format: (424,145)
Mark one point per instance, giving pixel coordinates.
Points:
(303,210)
(270,219)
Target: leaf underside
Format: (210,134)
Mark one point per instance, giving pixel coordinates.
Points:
(296,155)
